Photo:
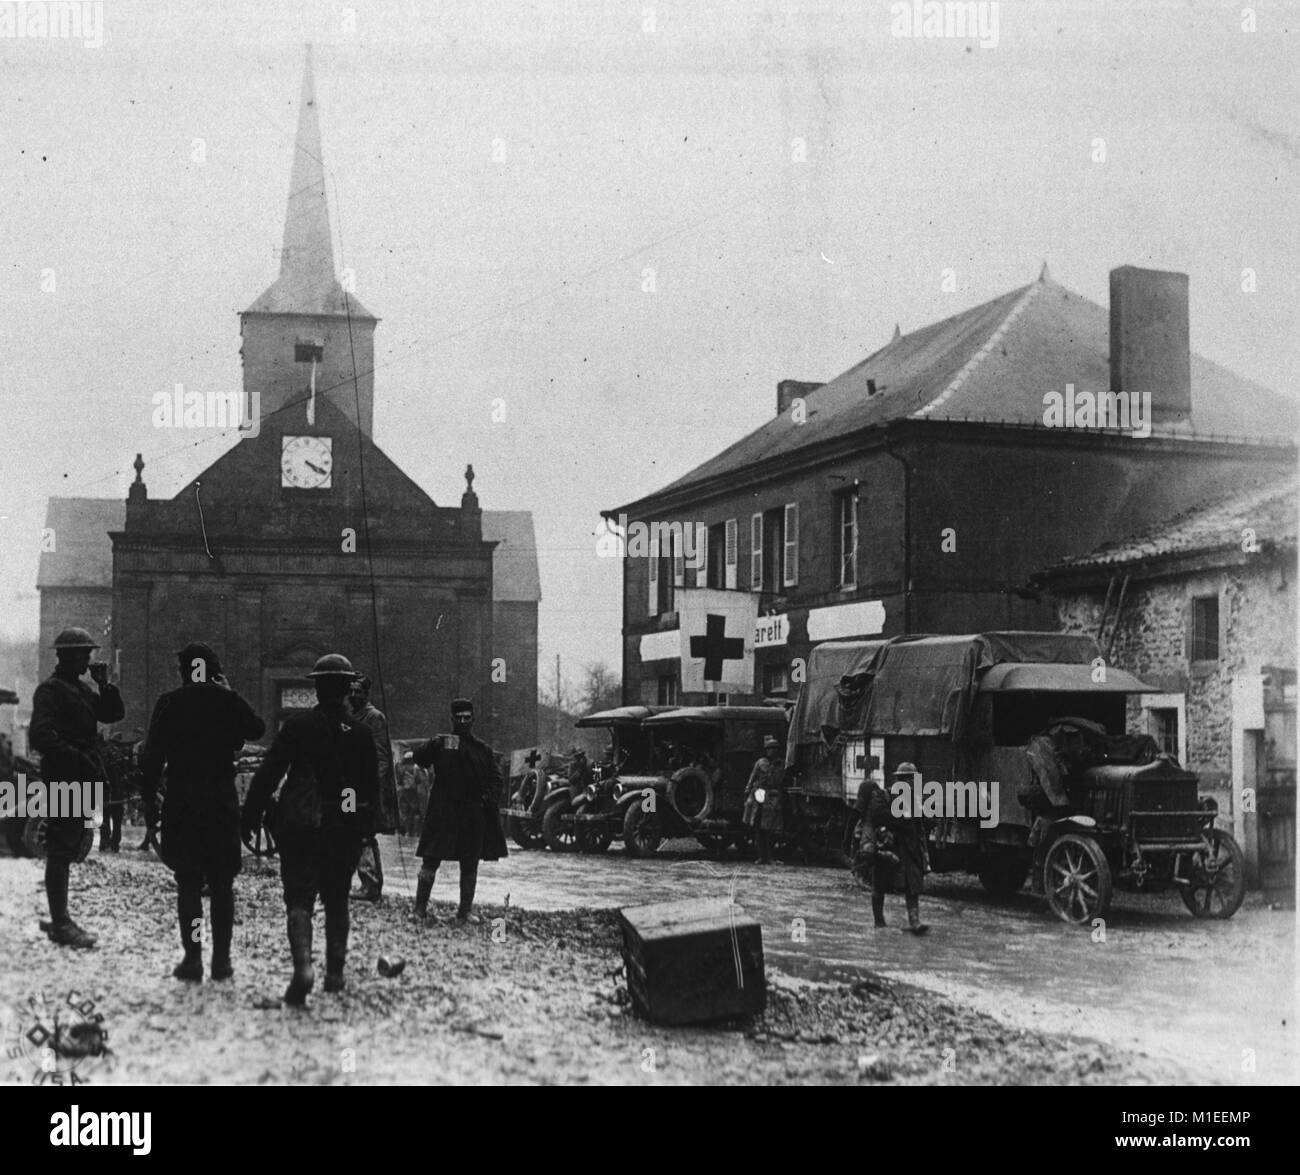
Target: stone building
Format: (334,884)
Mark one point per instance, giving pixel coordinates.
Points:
(919,491)
(305,537)
(1204,608)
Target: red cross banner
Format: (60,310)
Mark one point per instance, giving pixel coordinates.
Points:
(717,633)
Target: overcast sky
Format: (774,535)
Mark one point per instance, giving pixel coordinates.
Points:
(503,175)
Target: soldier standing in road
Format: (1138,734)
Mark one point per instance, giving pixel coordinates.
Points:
(65,714)
(370,870)
(195,733)
(894,845)
(763,798)
(461,820)
(324,813)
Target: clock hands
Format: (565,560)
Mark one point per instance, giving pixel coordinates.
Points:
(312,466)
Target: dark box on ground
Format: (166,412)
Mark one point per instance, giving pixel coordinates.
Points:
(693,961)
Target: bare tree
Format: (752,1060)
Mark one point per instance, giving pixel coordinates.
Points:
(601,688)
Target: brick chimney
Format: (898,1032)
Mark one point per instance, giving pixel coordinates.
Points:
(789,390)
(1150,347)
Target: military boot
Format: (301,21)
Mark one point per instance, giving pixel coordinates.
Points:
(337,925)
(61,929)
(423,888)
(304,977)
(914,923)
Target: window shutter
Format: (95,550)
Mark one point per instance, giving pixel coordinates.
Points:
(790,560)
(653,563)
(756,552)
(679,556)
(733,555)
(701,555)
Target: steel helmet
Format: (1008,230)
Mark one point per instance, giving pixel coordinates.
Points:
(75,638)
(906,769)
(333,665)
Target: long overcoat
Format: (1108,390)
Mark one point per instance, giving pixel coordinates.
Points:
(908,832)
(461,822)
(66,713)
(194,735)
(768,815)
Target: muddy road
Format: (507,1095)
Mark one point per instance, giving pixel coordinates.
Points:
(1211,998)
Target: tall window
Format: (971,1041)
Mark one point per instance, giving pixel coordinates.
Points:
(756,552)
(790,546)
(732,553)
(1205,628)
(847,528)
(718,549)
(668,689)
(1164,729)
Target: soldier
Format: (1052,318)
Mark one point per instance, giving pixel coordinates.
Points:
(370,871)
(324,813)
(763,798)
(65,713)
(461,820)
(195,733)
(894,845)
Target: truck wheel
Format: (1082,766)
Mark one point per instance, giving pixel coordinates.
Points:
(532,792)
(642,831)
(594,838)
(559,838)
(1004,874)
(1076,879)
(690,791)
(1218,880)
(523,833)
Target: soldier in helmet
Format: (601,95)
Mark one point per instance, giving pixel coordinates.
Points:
(461,820)
(194,734)
(763,798)
(893,838)
(65,717)
(325,812)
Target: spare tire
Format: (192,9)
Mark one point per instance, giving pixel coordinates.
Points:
(690,791)
(532,792)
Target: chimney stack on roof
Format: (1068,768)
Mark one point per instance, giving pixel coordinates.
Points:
(789,390)
(1150,347)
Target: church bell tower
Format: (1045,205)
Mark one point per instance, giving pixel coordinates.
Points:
(300,338)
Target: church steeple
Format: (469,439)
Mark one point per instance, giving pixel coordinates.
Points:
(306,340)
(307,283)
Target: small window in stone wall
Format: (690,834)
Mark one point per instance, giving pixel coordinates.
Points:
(668,689)
(1164,729)
(1205,628)
(776,680)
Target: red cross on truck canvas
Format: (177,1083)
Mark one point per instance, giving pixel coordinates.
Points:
(717,635)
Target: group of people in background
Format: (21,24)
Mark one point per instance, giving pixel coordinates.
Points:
(324,789)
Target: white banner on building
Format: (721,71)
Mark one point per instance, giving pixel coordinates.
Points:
(717,639)
(862,618)
(661,646)
(770,631)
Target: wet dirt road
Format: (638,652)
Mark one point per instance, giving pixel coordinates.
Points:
(1212,998)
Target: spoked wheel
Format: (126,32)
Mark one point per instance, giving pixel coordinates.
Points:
(1076,879)
(714,843)
(1218,878)
(594,838)
(559,837)
(642,831)
(524,832)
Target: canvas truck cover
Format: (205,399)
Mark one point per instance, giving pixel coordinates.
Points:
(914,685)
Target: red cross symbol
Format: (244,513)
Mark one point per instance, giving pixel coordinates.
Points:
(716,647)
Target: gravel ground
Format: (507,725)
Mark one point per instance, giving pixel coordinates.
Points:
(526,997)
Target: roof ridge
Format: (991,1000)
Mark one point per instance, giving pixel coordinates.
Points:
(954,385)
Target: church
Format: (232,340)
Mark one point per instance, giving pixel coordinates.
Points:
(305,538)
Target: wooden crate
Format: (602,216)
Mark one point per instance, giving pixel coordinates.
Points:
(693,961)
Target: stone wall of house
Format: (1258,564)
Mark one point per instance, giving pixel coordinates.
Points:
(1257,624)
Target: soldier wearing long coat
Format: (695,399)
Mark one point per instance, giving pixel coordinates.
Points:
(461,821)
(195,733)
(765,816)
(64,728)
(895,845)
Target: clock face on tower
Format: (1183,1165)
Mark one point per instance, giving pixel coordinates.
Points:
(306,463)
